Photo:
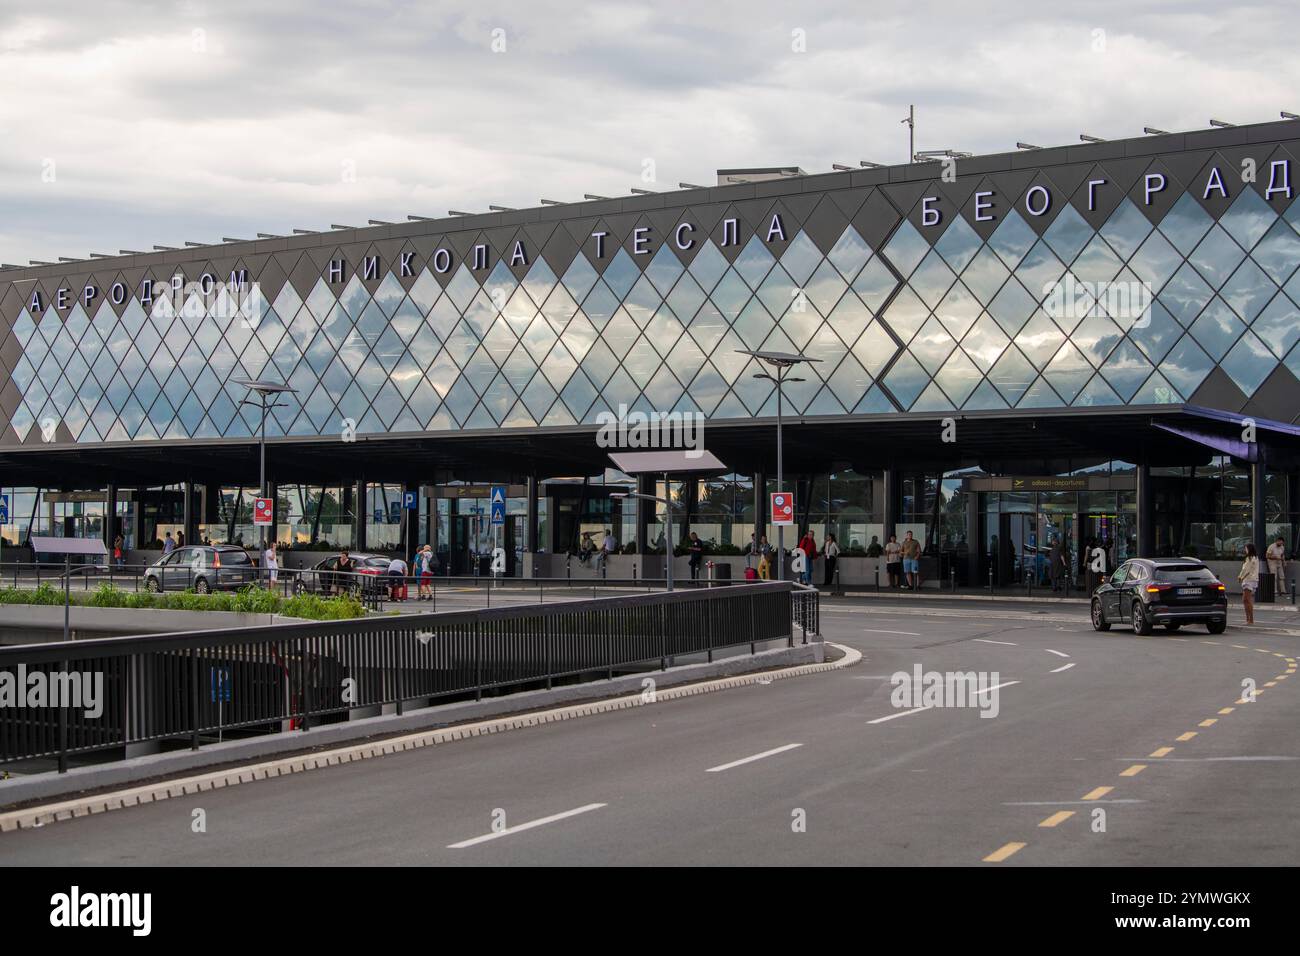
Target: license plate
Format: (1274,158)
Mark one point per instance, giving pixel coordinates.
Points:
(1189,590)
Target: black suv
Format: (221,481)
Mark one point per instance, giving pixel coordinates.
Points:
(1166,591)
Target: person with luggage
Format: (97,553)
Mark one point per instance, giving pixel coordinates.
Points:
(424,562)
(808,544)
(397,579)
(764,559)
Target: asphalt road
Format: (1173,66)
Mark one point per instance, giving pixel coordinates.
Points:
(726,778)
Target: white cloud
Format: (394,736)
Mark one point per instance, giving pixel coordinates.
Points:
(198,121)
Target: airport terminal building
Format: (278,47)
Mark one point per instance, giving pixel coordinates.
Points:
(1086,342)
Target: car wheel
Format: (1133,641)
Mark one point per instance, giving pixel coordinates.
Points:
(1173,625)
(1099,622)
(151,584)
(1140,623)
(201,586)
(1216,627)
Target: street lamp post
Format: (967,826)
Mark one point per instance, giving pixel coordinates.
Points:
(781,363)
(267,393)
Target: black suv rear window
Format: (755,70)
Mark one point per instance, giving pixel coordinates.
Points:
(1185,574)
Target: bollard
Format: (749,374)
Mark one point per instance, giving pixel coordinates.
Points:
(990,580)
(877,578)
(836,588)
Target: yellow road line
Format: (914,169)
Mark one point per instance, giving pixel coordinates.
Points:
(1057,818)
(1276,654)
(1271,683)
(1187,736)
(1241,647)
(1162,751)
(1134,770)
(1260,650)
(1000,854)
(1098,793)
(1208,722)
(1227,710)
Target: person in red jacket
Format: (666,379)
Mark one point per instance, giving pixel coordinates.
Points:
(808,544)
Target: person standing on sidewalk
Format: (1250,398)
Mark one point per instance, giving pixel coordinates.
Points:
(912,561)
(695,547)
(809,546)
(1276,554)
(831,551)
(894,561)
(1249,578)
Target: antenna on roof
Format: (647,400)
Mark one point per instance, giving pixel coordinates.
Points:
(863,162)
(66,259)
(1027,146)
(842,169)
(1286,115)
(420,218)
(551,202)
(131,252)
(380,222)
(195,245)
(501,208)
(306,232)
(167,248)
(268,235)
(690,186)
(229,239)
(1090,139)
(593,196)
(642,192)
(1221,124)
(1155,132)
(336,225)
(101,255)
(38,262)
(457,212)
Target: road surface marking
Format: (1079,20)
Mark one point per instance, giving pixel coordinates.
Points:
(1226,710)
(1066,803)
(989,690)
(745,760)
(874,630)
(902,713)
(1097,793)
(1241,647)
(1057,653)
(1000,854)
(1057,818)
(1063,668)
(1134,770)
(1208,722)
(1260,650)
(525,826)
(1161,751)
(1271,683)
(1187,736)
(1276,654)
(980,640)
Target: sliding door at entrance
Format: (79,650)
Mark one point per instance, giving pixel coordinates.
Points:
(473,537)
(1025,548)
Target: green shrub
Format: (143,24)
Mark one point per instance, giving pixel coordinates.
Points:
(313,607)
(46,594)
(256,600)
(108,596)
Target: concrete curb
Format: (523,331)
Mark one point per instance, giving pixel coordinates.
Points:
(681,682)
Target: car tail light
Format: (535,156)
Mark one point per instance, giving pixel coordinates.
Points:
(1157,588)
(216,559)
(1222,587)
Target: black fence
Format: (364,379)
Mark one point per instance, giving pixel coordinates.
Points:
(193,687)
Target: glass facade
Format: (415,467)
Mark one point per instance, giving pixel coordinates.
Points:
(922,319)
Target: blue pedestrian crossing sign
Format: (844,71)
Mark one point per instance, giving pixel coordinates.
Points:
(4,509)
(410,501)
(498,505)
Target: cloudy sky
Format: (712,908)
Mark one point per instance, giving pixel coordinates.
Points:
(125,124)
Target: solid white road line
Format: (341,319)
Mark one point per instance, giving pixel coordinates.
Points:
(989,690)
(1065,668)
(744,760)
(872,630)
(901,713)
(1057,653)
(980,640)
(525,826)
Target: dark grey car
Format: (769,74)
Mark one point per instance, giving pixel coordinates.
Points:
(202,568)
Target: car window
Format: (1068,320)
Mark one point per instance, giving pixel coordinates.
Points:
(329,564)
(234,556)
(1185,574)
(1120,573)
(1137,573)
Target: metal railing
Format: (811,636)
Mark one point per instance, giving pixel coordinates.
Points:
(196,686)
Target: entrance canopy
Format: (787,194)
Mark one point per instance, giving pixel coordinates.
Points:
(688,461)
(89,547)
